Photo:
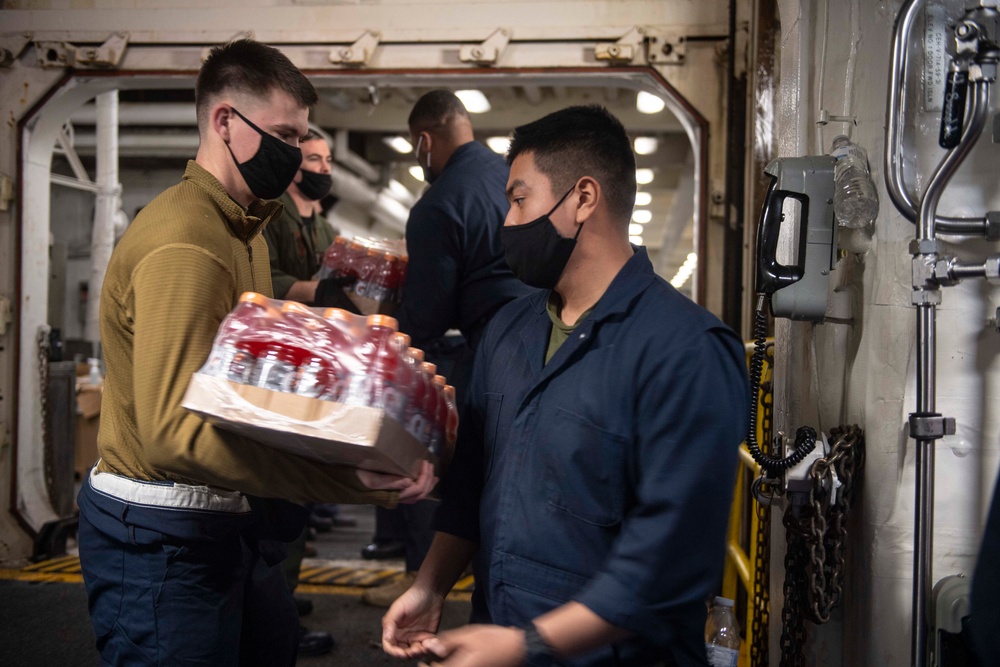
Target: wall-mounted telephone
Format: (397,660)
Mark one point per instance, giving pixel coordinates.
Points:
(799,290)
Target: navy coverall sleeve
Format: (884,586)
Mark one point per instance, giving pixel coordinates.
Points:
(430,303)
(690,421)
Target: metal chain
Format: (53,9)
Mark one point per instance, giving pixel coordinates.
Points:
(793,632)
(44,347)
(814,585)
(830,497)
(760,628)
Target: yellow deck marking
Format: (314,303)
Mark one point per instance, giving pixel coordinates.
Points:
(316,580)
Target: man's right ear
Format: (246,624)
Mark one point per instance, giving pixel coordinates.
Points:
(220,117)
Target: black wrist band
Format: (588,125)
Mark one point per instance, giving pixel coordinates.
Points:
(537,652)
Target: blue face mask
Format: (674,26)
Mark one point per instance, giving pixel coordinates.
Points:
(536,252)
(272,168)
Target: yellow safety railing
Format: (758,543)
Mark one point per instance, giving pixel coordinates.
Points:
(742,560)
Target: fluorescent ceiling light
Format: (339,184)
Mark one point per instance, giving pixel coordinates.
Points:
(642,199)
(417,172)
(644,176)
(645,145)
(498,144)
(399,144)
(474,100)
(399,189)
(635,240)
(687,268)
(648,103)
(635,230)
(642,216)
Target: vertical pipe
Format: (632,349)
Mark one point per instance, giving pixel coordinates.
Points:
(923,522)
(103,239)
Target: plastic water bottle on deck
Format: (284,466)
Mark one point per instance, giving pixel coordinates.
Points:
(722,634)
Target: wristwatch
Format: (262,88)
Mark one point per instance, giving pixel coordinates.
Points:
(537,652)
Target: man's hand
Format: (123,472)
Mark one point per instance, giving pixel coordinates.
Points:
(476,646)
(412,618)
(410,490)
(330,293)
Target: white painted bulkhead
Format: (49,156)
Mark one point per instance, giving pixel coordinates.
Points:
(864,372)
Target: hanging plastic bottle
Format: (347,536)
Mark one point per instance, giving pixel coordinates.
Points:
(722,634)
(855,199)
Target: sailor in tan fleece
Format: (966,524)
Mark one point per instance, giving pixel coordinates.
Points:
(181,524)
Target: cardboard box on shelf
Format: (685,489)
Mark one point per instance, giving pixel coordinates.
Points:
(88,420)
(335,433)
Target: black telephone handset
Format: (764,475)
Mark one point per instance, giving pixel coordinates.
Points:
(771,274)
(797,291)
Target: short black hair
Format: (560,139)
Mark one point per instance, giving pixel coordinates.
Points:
(435,109)
(251,68)
(581,141)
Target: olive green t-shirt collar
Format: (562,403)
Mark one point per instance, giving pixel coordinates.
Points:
(245,223)
(560,330)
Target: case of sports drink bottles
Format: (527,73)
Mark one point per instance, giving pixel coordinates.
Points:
(325,384)
(379,266)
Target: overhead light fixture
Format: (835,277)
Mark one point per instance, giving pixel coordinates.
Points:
(399,144)
(644,176)
(474,100)
(635,240)
(649,103)
(400,190)
(634,229)
(687,268)
(417,172)
(645,145)
(642,199)
(642,216)
(498,144)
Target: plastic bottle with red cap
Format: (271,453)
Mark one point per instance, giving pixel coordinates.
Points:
(439,423)
(451,421)
(334,258)
(381,366)
(233,355)
(337,347)
(428,371)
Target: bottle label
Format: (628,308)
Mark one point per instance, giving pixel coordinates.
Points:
(855,152)
(720,656)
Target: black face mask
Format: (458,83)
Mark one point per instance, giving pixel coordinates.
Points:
(271,170)
(535,251)
(314,185)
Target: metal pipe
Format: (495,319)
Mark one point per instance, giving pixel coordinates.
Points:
(923,522)
(894,179)
(103,238)
(975,122)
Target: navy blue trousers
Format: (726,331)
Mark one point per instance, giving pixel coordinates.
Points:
(170,587)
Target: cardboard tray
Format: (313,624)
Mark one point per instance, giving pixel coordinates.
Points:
(324,431)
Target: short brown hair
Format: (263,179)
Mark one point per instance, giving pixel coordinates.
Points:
(249,67)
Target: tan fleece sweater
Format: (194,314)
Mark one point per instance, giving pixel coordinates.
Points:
(176,273)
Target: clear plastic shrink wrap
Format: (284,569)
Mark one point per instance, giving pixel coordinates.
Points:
(331,355)
(378,264)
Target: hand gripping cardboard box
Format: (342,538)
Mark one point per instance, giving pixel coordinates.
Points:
(335,433)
